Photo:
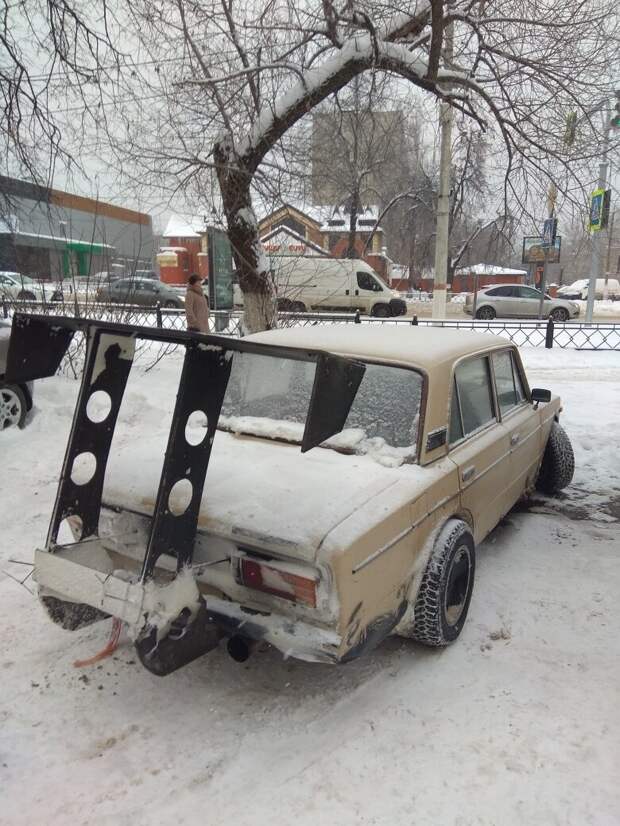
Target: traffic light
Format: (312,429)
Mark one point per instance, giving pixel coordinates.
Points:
(615,118)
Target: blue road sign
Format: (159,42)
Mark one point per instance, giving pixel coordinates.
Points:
(550,228)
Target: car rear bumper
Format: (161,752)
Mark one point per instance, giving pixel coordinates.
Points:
(86,573)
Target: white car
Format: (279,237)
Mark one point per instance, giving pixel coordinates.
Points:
(579,289)
(17,287)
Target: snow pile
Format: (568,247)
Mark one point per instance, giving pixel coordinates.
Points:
(516,723)
(351,440)
(263,428)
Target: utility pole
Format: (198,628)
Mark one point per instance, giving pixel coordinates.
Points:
(442,236)
(551,199)
(597,241)
(610,238)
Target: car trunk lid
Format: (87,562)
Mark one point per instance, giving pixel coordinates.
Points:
(260,493)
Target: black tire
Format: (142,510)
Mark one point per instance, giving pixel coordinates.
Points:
(559,314)
(486,313)
(298,307)
(169,305)
(381,311)
(558,463)
(443,599)
(13,406)
(25,295)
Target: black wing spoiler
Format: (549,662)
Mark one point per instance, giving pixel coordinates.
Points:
(37,346)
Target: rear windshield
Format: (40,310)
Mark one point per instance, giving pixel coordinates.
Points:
(269,397)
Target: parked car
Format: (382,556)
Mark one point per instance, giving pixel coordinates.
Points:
(518,301)
(579,289)
(17,287)
(432,437)
(139,291)
(15,398)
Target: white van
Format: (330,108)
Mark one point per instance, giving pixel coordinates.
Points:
(333,284)
(579,289)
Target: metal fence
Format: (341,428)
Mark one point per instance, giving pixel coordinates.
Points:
(570,334)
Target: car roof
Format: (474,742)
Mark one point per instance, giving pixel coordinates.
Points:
(516,284)
(423,347)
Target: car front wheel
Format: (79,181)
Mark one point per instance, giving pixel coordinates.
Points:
(381,311)
(25,295)
(558,464)
(446,588)
(559,314)
(486,313)
(169,305)
(13,406)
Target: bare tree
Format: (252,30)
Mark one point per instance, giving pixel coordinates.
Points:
(517,69)
(54,55)
(216,88)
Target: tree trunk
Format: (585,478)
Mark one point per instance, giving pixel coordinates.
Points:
(351,251)
(255,279)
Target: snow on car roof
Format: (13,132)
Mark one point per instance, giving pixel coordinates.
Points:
(423,347)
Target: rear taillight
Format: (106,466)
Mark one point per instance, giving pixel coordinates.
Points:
(264,577)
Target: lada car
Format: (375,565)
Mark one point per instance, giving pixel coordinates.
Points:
(352,472)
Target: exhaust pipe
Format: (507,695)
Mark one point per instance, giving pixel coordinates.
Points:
(240,647)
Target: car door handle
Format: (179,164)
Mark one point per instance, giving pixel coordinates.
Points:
(468,473)
(357,292)
(514,438)
(346,292)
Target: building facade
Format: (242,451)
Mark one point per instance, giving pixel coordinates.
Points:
(49,234)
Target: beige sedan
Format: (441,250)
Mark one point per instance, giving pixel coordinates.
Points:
(323,554)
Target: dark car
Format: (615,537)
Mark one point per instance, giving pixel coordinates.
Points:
(144,292)
(15,399)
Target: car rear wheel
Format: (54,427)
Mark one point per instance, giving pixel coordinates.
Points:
(559,314)
(486,313)
(443,599)
(13,407)
(298,307)
(169,305)
(558,464)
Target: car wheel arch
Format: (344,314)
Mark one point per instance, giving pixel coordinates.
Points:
(465,516)
(412,586)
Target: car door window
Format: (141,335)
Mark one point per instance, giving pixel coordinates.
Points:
(365,281)
(528,292)
(475,397)
(507,382)
(521,397)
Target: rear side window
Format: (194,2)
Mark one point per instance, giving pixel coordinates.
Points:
(456,424)
(507,381)
(474,395)
(500,291)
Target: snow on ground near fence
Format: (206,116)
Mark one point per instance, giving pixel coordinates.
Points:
(517,723)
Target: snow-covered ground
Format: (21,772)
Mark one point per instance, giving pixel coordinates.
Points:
(517,723)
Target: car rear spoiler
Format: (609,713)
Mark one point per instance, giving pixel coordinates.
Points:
(37,346)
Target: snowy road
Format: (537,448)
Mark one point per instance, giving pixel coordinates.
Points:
(517,723)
